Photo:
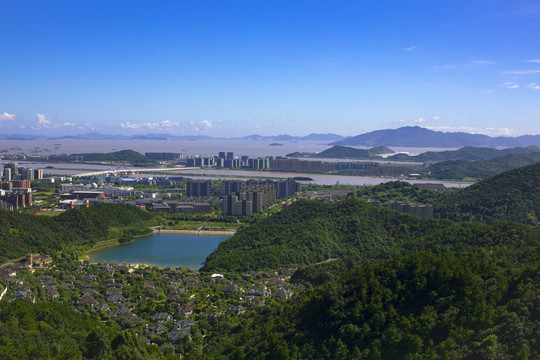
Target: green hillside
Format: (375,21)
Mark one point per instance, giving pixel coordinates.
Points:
(352,153)
(24,233)
(49,331)
(512,195)
(463,169)
(424,306)
(346,152)
(310,232)
(122,155)
(397,191)
(470,153)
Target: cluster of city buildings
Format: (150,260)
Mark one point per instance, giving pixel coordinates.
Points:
(15,186)
(278,163)
(246,198)
(235,197)
(12,172)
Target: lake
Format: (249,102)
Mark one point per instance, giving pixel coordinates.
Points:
(176,250)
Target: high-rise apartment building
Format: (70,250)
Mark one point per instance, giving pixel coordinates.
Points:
(38,174)
(249,201)
(7,174)
(198,188)
(233,186)
(259,164)
(286,188)
(26,173)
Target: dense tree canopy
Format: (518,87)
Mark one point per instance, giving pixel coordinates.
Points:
(22,233)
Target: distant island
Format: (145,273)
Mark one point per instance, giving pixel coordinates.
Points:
(415,136)
(302,178)
(408,136)
(275,144)
(345,152)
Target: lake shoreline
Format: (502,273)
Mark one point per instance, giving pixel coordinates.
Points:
(156,230)
(193,232)
(176,248)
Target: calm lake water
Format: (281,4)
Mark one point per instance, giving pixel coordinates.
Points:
(188,251)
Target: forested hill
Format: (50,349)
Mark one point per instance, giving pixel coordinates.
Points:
(349,152)
(309,232)
(339,152)
(424,306)
(401,287)
(122,155)
(481,169)
(513,195)
(22,233)
(51,331)
(470,153)
(510,196)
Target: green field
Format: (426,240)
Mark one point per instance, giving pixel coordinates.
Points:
(48,213)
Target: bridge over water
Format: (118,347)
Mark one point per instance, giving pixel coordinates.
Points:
(131,171)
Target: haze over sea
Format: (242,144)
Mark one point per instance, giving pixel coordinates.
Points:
(187,147)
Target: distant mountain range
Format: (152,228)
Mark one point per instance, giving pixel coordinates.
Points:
(151,136)
(414,136)
(409,136)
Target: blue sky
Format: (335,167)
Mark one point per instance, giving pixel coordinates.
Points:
(230,68)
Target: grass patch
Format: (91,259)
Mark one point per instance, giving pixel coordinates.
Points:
(48,213)
(194,225)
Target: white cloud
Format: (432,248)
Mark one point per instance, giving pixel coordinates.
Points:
(86,126)
(475,130)
(411,48)
(42,121)
(7,117)
(533,61)
(166,124)
(482,62)
(420,120)
(169,124)
(205,125)
(515,86)
(522,72)
(128,125)
(472,63)
(533,86)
